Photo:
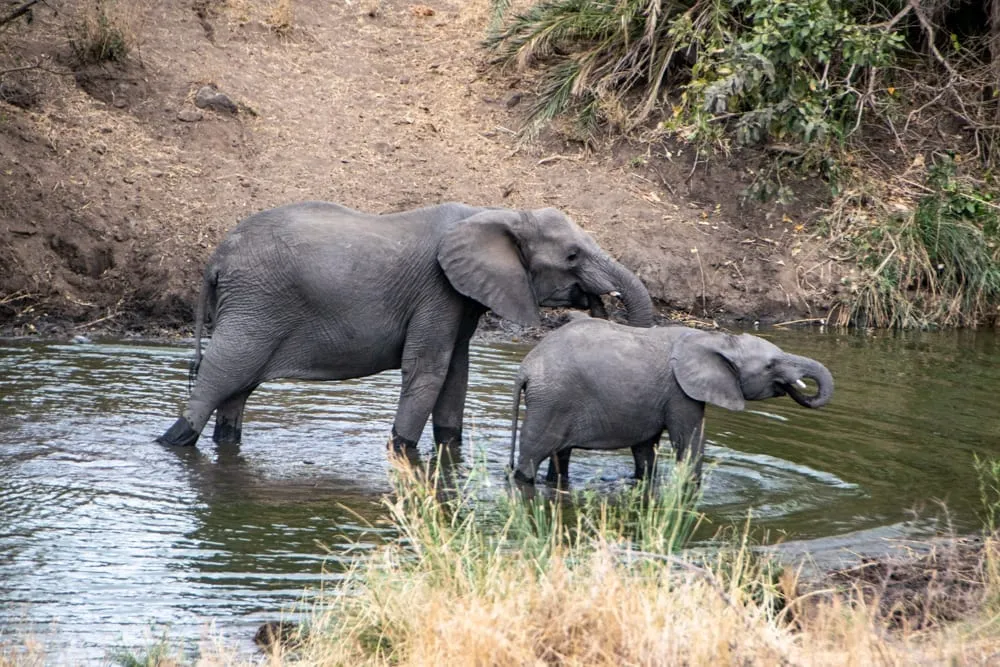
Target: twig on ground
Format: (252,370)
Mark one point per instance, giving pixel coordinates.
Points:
(808,320)
(20,11)
(701,270)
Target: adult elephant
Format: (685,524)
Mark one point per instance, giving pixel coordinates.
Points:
(318,291)
(594,384)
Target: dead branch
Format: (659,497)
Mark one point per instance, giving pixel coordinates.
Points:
(20,11)
(929,28)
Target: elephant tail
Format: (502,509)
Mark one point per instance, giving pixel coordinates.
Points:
(519,385)
(206,302)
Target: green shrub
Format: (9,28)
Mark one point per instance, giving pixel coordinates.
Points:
(750,70)
(936,264)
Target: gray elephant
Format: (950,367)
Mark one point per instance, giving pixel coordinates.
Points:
(598,385)
(318,291)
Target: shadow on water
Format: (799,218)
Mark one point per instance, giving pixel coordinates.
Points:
(106,539)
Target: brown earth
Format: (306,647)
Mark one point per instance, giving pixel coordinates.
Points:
(115,186)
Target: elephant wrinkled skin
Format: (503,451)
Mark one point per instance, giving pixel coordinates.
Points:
(598,385)
(318,291)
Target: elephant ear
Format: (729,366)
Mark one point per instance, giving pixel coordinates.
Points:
(704,371)
(481,258)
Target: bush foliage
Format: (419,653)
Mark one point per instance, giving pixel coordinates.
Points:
(812,81)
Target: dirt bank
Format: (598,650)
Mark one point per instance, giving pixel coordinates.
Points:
(115,185)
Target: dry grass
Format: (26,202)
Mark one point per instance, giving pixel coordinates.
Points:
(280,18)
(450,597)
(24,652)
(106,30)
(277,15)
(925,243)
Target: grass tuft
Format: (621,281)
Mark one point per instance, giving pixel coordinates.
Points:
(928,254)
(104,31)
(280,18)
(602,581)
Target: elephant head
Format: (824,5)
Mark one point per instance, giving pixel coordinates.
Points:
(726,370)
(514,261)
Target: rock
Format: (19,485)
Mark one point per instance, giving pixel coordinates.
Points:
(80,339)
(19,96)
(209,97)
(190,115)
(278,632)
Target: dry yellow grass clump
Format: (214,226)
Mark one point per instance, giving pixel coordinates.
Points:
(604,583)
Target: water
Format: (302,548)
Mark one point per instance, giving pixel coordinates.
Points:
(108,540)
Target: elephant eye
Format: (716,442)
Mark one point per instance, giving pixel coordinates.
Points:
(572,256)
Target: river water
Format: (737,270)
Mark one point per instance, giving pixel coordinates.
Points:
(108,540)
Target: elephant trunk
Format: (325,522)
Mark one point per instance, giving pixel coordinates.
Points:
(816,371)
(638,305)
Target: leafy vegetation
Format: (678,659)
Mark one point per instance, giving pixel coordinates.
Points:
(714,71)
(812,82)
(930,256)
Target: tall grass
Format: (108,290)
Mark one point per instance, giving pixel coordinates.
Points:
(601,582)
(928,253)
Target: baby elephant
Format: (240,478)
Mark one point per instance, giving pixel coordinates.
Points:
(594,384)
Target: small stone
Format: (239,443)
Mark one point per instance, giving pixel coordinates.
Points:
(208,97)
(190,115)
(284,633)
(19,96)
(23,229)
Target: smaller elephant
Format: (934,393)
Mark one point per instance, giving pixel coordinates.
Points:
(595,384)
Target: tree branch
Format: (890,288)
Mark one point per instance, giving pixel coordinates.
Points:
(20,11)
(929,27)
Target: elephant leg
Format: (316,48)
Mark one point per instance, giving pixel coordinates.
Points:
(229,419)
(449,409)
(542,436)
(559,467)
(232,365)
(644,455)
(425,363)
(687,435)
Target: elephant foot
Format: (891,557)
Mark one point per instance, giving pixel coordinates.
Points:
(520,478)
(405,448)
(447,437)
(179,435)
(525,485)
(227,433)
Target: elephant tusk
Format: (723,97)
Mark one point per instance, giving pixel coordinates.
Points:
(615,293)
(800,384)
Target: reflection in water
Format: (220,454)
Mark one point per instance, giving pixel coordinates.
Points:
(106,539)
